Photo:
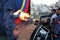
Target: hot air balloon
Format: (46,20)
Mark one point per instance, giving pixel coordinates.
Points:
(24,6)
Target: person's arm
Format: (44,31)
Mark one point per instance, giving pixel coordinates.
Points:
(17,14)
(45,16)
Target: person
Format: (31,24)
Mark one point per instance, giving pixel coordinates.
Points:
(55,15)
(53,11)
(55,27)
(9,24)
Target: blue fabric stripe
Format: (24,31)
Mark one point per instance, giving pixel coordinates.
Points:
(18,4)
(25,5)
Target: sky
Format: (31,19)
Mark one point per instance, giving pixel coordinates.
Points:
(46,2)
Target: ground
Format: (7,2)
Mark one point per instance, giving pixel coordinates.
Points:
(26,33)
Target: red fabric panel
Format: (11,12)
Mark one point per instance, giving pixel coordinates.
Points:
(18,20)
(27,7)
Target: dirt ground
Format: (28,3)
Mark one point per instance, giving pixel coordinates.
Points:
(26,33)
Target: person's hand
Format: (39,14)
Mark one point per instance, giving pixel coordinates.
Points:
(55,35)
(20,11)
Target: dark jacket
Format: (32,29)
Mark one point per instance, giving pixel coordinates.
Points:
(9,21)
